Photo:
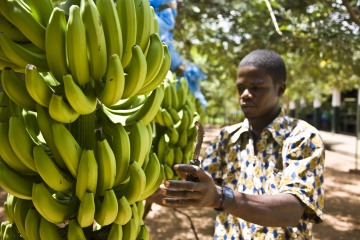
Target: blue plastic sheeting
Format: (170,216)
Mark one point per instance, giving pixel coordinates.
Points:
(166,19)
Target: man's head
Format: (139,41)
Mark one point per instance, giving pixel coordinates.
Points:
(267,60)
(260,84)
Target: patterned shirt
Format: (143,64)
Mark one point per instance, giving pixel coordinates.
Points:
(288,158)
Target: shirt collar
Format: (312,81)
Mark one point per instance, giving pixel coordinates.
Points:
(281,121)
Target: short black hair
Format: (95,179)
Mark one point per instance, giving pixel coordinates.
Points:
(271,62)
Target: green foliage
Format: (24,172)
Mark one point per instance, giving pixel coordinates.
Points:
(319,41)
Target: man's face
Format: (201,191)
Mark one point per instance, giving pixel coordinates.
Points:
(257,93)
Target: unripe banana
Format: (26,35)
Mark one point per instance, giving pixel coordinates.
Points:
(112,28)
(129,230)
(45,125)
(77,47)
(152,172)
(21,56)
(75,231)
(124,211)
(52,175)
(15,88)
(49,230)
(82,100)
(9,207)
(163,71)
(87,176)
(116,232)
(86,212)
(173,135)
(41,10)
(139,137)
(143,19)
(36,86)
(60,110)
(21,209)
(23,19)
(136,184)
(95,38)
(169,157)
(143,233)
(21,142)
(8,154)
(127,18)
(154,58)
(50,208)
(15,183)
(174,114)
(32,224)
(182,142)
(169,122)
(150,107)
(111,90)
(178,155)
(162,147)
(169,172)
(68,147)
(106,165)
(10,30)
(107,209)
(136,73)
(55,44)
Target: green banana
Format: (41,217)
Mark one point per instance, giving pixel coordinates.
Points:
(129,230)
(41,10)
(174,114)
(87,176)
(143,233)
(162,147)
(139,137)
(128,24)
(152,172)
(116,232)
(106,165)
(107,209)
(143,19)
(82,99)
(169,122)
(111,90)
(60,110)
(154,58)
(24,20)
(9,206)
(169,172)
(76,47)
(50,208)
(36,86)
(21,209)
(55,44)
(95,38)
(174,97)
(135,73)
(169,157)
(7,153)
(15,88)
(124,211)
(86,212)
(173,135)
(150,107)
(10,30)
(32,224)
(15,182)
(45,125)
(67,146)
(162,73)
(51,174)
(133,189)
(178,155)
(20,55)
(135,216)
(48,230)
(21,142)
(111,26)
(75,231)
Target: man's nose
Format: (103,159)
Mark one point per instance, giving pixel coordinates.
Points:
(246,94)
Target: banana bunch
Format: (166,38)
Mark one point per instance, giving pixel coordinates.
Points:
(174,124)
(81,84)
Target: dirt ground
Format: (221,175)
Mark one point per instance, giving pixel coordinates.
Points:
(341,219)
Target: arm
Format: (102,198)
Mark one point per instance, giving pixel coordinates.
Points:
(276,210)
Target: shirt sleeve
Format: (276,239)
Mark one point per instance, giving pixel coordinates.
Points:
(303,162)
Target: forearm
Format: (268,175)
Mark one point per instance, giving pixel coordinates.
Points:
(279,210)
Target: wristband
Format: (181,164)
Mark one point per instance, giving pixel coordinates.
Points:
(227,196)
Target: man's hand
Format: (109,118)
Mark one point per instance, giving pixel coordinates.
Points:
(180,193)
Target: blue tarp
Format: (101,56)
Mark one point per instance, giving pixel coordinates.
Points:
(166,18)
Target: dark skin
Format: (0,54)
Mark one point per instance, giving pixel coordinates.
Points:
(259,98)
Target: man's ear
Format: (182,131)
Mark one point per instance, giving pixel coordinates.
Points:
(281,88)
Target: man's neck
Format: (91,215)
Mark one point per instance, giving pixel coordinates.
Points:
(257,125)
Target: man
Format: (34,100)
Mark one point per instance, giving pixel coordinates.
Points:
(263,176)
